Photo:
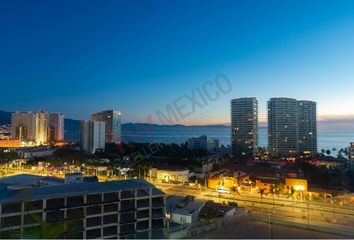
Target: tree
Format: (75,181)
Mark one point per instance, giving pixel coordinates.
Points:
(323,151)
(291,194)
(328,152)
(279,189)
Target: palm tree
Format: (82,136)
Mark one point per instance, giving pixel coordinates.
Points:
(272,190)
(279,189)
(328,152)
(291,194)
(262,192)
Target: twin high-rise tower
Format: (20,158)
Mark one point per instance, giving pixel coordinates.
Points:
(292,127)
(244,127)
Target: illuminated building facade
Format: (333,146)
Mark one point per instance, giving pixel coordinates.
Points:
(42,126)
(23,126)
(11,143)
(307,127)
(56,127)
(112,118)
(292,127)
(244,127)
(282,127)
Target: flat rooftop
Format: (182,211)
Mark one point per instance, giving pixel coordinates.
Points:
(182,205)
(72,189)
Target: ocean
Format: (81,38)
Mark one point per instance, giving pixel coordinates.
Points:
(179,134)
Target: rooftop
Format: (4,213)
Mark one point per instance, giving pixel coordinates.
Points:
(183,205)
(65,190)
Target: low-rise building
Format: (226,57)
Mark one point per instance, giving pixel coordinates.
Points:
(169,175)
(116,209)
(183,210)
(227,183)
(10,143)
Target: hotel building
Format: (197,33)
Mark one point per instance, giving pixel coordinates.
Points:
(92,136)
(56,127)
(112,119)
(23,126)
(292,127)
(42,126)
(307,127)
(283,127)
(244,127)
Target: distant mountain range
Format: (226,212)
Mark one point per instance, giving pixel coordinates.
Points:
(72,128)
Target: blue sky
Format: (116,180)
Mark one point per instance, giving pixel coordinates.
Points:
(79,57)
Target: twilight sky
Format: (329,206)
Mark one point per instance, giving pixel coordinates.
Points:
(78,57)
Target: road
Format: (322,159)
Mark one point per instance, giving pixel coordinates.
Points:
(312,212)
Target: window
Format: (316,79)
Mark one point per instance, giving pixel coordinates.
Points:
(11,221)
(109,231)
(11,207)
(110,219)
(110,197)
(33,205)
(110,208)
(93,233)
(92,222)
(93,199)
(55,203)
(93,210)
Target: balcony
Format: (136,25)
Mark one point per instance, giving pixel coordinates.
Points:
(143,225)
(158,202)
(127,218)
(127,206)
(110,219)
(127,194)
(14,221)
(128,229)
(55,203)
(143,214)
(111,197)
(158,213)
(143,192)
(33,205)
(93,210)
(110,208)
(93,222)
(143,203)
(75,213)
(75,201)
(157,224)
(55,216)
(94,199)
(11,207)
